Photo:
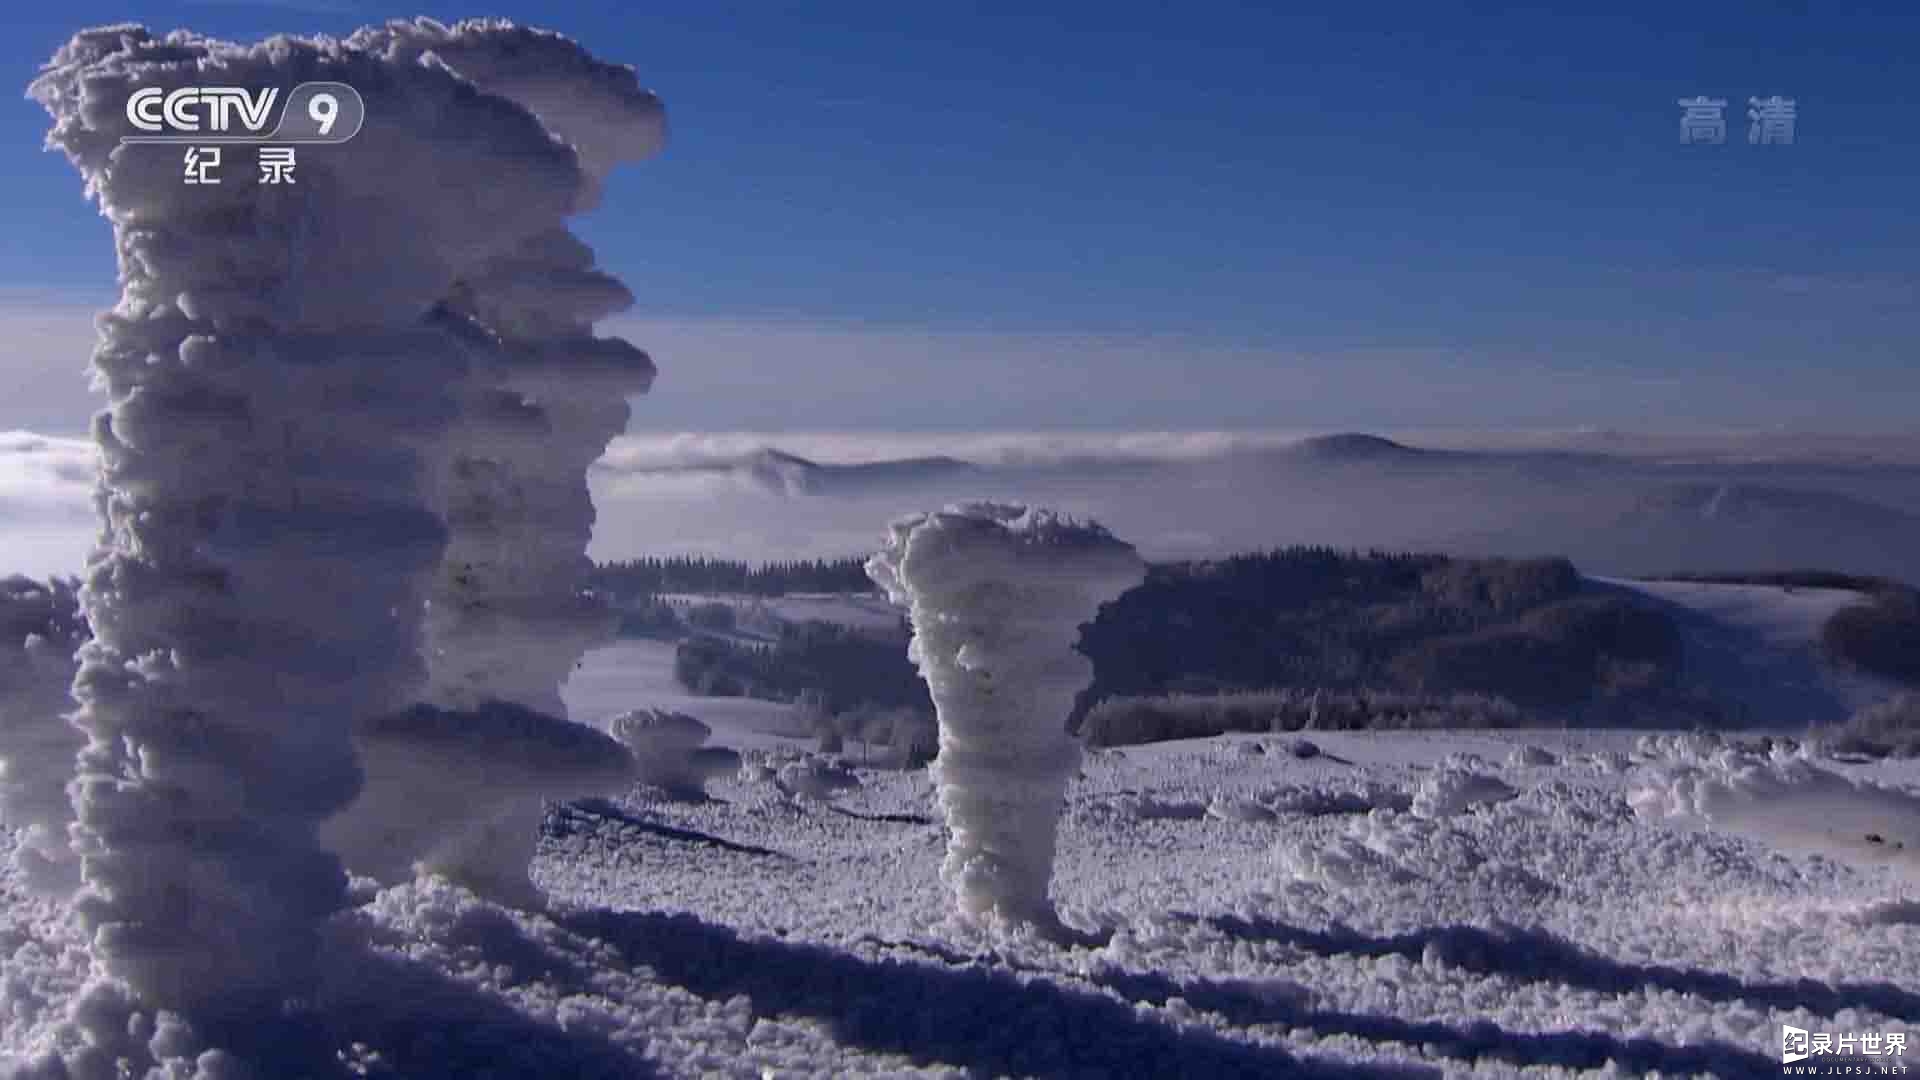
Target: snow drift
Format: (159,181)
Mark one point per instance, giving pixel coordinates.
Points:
(300,378)
(1784,800)
(997,594)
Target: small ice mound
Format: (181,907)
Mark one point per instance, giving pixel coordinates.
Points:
(1529,756)
(1447,792)
(668,752)
(459,793)
(1343,863)
(816,778)
(1235,808)
(1788,802)
(1135,806)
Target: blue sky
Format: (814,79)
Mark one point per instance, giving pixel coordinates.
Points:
(1201,215)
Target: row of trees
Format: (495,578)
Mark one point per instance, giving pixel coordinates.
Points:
(1306,617)
(627,580)
(1299,618)
(1124,721)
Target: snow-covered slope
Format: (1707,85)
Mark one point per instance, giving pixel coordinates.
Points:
(1758,648)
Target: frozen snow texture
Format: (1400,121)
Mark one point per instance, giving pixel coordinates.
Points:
(286,368)
(997,594)
(1785,800)
(40,630)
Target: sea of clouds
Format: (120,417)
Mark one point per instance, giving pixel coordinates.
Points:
(1615,502)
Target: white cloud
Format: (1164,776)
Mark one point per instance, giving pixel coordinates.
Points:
(1175,494)
(47,472)
(45,343)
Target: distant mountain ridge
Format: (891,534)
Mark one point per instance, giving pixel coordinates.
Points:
(777,470)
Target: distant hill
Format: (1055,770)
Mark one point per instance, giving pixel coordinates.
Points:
(1355,446)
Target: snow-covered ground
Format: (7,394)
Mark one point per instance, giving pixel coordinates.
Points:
(1269,912)
(1450,903)
(1757,647)
(1435,903)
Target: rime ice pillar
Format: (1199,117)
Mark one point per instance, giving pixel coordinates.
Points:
(279,401)
(997,595)
(40,630)
(510,613)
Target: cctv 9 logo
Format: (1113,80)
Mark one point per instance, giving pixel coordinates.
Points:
(315,112)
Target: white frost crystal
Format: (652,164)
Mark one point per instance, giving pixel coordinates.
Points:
(997,595)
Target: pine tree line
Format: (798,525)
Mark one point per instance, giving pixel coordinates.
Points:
(627,580)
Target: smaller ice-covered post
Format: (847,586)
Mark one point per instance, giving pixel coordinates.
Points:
(997,595)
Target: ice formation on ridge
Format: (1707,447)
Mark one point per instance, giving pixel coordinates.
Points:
(997,594)
(296,376)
